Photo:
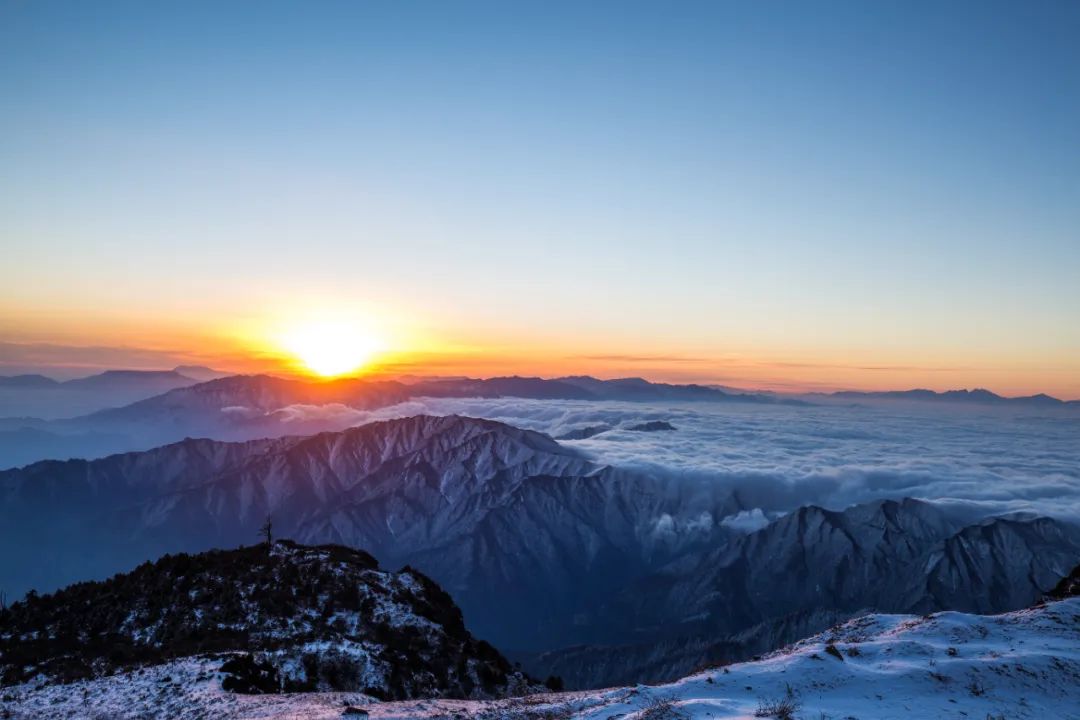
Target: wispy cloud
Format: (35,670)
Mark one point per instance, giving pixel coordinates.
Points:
(641,358)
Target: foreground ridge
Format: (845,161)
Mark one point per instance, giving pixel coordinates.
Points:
(1023,664)
(263,620)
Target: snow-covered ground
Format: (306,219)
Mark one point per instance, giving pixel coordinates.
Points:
(1024,664)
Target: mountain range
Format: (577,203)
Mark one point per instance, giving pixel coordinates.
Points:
(119,411)
(976,396)
(542,547)
(245,407)
(813,567)
(42,397)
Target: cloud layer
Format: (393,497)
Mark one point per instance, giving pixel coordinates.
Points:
(776,458)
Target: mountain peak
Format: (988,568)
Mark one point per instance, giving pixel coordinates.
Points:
(293,618)
(976,395)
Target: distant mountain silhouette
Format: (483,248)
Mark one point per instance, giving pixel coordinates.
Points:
(42,397)
(200,372)
(245,407)
(114,379)
(27,381)
(978,395)
(636,389)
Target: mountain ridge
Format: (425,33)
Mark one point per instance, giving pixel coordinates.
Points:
(289,618)
(244,407)
(1018,664)
(541,547)
(972,396)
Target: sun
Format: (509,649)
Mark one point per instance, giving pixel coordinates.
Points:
(331,348)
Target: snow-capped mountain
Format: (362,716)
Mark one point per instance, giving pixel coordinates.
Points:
(494,512)
(810,568)
(541,547)
(903,556)
(289,618)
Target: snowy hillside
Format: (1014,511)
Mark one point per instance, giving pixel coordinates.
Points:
(1024,664)
(297,618)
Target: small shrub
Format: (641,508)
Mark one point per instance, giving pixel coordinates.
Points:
(782,709)
(246,675)
(831,649)
(663,708)
(952,652)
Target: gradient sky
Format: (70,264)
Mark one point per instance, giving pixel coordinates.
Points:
(795,194)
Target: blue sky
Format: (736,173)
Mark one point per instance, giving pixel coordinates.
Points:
(855,184)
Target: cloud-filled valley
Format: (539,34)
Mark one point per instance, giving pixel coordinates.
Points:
(777,457)
(641,525)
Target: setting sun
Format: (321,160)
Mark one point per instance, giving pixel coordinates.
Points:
(331,348)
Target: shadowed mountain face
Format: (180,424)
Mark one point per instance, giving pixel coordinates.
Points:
(895,556)
(541,547)
(811,568)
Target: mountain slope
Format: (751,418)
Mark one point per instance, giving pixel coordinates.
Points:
(1022,665)
(810,568)
(900,556)
(198,494)
(305,618)
(484,507)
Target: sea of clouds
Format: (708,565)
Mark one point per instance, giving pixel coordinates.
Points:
(976,462)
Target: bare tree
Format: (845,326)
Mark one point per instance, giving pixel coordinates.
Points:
(267,531)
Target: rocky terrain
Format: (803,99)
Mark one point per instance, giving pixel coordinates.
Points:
(1023,665)
(286,618)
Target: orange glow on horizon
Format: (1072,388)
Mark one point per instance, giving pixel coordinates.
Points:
(323,338)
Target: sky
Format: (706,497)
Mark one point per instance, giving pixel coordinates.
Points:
(798,196)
